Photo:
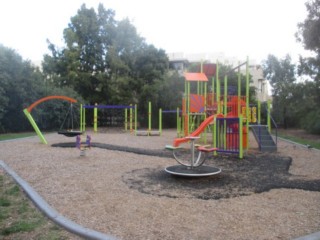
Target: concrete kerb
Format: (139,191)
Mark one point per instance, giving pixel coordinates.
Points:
(298,144)
(313,236)
(51,213)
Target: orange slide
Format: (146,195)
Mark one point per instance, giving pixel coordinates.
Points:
(196,133)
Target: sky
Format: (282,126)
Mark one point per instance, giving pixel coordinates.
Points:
(240,29)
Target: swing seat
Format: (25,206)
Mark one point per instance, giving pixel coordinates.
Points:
(70,133)
(68,130)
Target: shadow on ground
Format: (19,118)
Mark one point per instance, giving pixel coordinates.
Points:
(255,173)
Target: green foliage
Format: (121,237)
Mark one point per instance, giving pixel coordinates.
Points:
(23,84)
(311,122)
(281,75)
(309,30)
(13,190)
(19,219)
(4,202)
(20,226)
(105,60)
(308,34)
(9,136)
(170,95)
(20,81)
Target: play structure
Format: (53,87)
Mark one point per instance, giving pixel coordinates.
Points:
(69,132)
(130,120)
(225,116)
(149,131)
(100,107)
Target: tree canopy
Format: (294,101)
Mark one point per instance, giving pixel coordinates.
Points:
(309,35)
(296,102)
(105,60)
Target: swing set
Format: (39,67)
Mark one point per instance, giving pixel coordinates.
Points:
(69,132)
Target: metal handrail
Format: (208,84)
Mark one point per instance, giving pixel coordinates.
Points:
(275,125)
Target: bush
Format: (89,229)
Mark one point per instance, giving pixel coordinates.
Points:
(311,122)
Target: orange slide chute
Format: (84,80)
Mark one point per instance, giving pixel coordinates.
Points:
(196,133)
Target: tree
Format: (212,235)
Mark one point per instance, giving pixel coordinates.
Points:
(309,35)
(20,82)
(309,30)
(281,75)
(106,61)
(21,85)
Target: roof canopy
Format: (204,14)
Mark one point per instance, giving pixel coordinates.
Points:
(198,77)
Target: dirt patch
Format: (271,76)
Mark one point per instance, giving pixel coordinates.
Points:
(255,174)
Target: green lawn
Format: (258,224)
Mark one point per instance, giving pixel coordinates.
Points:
(19,219)
(8,136)
(312,143)
(300,136)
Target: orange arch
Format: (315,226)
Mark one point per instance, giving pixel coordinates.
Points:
(29,109)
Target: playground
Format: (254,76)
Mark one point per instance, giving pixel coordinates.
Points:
(120,187)
(126,182)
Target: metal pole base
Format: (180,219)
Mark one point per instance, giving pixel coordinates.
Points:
(201,171)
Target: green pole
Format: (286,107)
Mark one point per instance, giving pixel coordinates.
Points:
(125,119)
(198,87)
(205,110)
(131,117)
(205,99)
(241,136)
(185,123)
(212,88)
(81,120)
(178,123)
(239,91)
(259,112)
(214,136)
(225,133)
(247,101)
(149,117)
(218,90)
(225,99)
(160,121)
(84,119)
(188,107)
(269,121)
(35,126)
(135,118)
(95,118)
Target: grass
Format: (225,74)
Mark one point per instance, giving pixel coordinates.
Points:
(19,219)
(9,136)
(313,142)
(303,141)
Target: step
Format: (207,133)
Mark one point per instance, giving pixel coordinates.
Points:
(265,137)
(268,142)
(268,148)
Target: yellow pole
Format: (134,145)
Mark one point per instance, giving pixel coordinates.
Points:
(125,119)
(95,118)
(81,120)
